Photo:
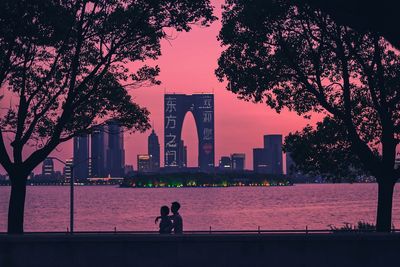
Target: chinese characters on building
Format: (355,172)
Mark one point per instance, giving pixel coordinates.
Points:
(175,108)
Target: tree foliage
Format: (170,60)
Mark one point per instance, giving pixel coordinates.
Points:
(65,64)
(324,151)
(375,16)
(298,57)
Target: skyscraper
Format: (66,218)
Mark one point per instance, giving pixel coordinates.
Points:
(99,143)
(143,163)
(273,145)
(48,167)
(154,151)
(175,108)
(238,161)
(81,157)
(269,159)
(115,150)
(260,164)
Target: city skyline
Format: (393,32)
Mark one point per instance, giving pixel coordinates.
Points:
(187,123)
(105,156)
(268,159)
(98,137)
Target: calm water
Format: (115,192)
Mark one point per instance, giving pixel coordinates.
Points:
(106,207)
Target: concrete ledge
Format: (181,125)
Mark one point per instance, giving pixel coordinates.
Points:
(201,250)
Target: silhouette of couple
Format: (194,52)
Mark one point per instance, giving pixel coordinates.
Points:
(170,222)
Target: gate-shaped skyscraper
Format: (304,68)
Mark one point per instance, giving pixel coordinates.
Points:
(175,108)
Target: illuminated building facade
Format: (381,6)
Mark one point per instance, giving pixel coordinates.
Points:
(175,108)
(143,163)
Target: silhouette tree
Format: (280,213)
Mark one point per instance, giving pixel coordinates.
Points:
(301,59)
(64,64)
(374,16)
(324,151)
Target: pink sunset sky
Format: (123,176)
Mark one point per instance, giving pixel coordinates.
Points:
(187,66)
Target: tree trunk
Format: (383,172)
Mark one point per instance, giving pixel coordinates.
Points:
(384,213)
(17,204)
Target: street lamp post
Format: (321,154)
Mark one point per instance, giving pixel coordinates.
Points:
(71,200)
(71,192)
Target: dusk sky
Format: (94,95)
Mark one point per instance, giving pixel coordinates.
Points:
(187,66)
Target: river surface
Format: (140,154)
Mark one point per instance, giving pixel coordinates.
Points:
(101,208)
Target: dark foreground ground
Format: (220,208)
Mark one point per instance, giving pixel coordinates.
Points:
(192,250)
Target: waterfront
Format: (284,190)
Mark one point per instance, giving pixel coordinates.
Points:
(101,208)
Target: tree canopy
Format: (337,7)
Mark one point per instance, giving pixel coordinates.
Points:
(67,65)
(300,58)
(376,16)
(324,151)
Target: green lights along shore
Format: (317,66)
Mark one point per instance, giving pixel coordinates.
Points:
(204,180)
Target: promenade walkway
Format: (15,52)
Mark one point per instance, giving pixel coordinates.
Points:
(200,249)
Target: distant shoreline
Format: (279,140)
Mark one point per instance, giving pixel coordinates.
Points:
(148,187)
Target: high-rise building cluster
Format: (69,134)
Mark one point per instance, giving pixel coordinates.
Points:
(269,158)
(107,157)
(101,154)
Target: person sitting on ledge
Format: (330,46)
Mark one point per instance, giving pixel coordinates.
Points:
(165,223)
(177,224)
